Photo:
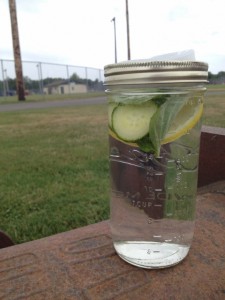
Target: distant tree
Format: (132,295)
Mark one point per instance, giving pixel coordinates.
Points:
(218,78)
(49,80)
(11,83)
(75,78)
(27,82)
(31,85)
(210,75)
(221,74)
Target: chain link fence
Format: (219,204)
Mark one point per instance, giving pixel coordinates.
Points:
(50,78)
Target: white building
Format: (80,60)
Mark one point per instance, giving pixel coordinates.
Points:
(64,87)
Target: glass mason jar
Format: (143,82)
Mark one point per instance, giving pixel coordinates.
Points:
(154,111)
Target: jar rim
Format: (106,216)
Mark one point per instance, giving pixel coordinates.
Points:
(147,71)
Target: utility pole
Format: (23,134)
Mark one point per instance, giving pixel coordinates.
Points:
(16,51)
(114,20)
(128,31)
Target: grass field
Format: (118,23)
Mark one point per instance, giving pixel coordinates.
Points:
(214,110)
(37,97)
(54,170)
(54,167)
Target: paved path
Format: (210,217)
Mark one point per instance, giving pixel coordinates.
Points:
(23,105)
(69,102)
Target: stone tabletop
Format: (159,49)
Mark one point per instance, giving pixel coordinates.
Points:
(82,264)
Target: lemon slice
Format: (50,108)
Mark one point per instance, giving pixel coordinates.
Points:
(185,120)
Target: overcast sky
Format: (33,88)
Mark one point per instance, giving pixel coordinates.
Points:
(80,32)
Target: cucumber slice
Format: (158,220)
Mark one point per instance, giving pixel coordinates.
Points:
(111,107)
(131,122)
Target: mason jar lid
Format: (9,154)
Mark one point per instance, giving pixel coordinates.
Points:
(147,71)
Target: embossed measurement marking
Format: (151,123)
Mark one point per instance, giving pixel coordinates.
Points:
(150,220)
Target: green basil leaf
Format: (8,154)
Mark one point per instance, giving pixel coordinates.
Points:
(145,144)
(160,99)
(163,118)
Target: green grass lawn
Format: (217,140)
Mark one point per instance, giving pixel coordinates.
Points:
(37,97)
(54,170)
(214,110)
(54,167)
(216,87)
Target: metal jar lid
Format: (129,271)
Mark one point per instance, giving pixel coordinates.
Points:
(146,72)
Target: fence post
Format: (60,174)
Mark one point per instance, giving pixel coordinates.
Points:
(99,75)
(42,86)
(39,68)
(68,77)
(3,79)
(86,75)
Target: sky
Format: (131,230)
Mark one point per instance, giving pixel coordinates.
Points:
(81,33)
